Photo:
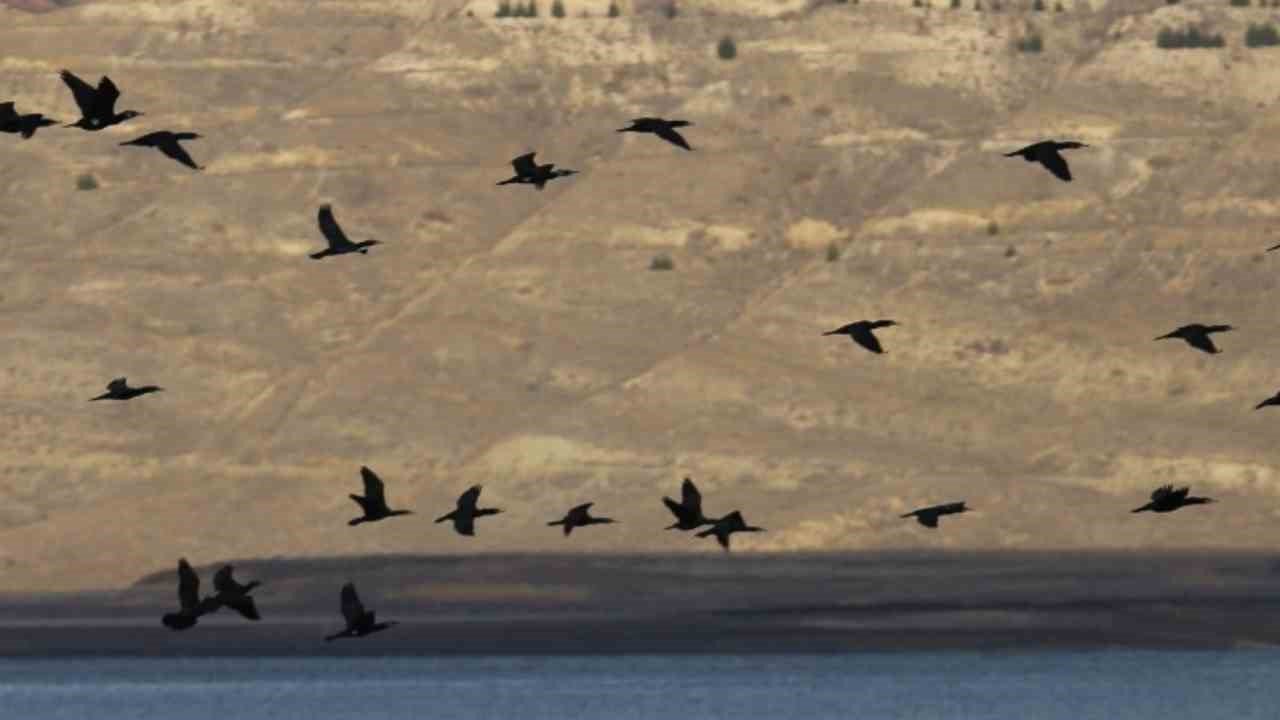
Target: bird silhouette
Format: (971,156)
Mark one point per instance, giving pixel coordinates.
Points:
(665,129)
(530,173)
(1273,400)
(465,514)
(1197,336)
(1046,153)
(229,593)
(726,526)
(189,602)
(861,333)
(374,502)
(167,143)
(928,517)
(339,243)
(1273,247)
(97,106)
(580,516)
(119,389)
(688,511)
(25,125)
(360,622)
(1165,499)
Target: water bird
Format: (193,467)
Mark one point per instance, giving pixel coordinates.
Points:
(191,607)
(168,143)
(229,593)
(339,243)
(1273,400)
(1046,153)
(1165,499)
(688,511)
(726,526)
(928,517)
(580,516)
(25,125)
(374,502)
(119,389)
(465,514)
(665,129)
(97,106)
(530,173)
(360,622)
(861,333)
(1197,336)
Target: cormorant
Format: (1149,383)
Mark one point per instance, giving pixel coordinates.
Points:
(97,106)
(928,517)
(1046,153)
(188,599)
(233,595)
(465,514)
(374,502)
(665,129)
(1273,400)
(119,389)
(360,622)
(688,511)
(339,243)
(728,525)
(1197,336)
(1165,499)
(580,516)
(25,125)
(860,332)
(167,143)
(530,173)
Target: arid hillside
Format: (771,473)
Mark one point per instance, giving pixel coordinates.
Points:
(847,165)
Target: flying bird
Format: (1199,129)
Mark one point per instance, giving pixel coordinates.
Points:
(928,517)
(688,511)
(465,514)
(665,129)
(97,106)
(580,516)
(1165,499)
(726,526)
(191,607)
(374,502)
(119,389)
(232,594)
(1273,400)
(861,333)
(360,622)
(339,243)
(168,143)
(1046,153)
(25,125)
(530,173)
(1197,336)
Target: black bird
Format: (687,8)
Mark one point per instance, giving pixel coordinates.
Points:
(1046,153)
(928,517)
(665,129)
(167,143)
(119,389)
(1273,400)
(374,502)
(1197,336)
(25,125)
(97,106)
(232,594)
(1165,499)
(728,525)
(339,243)
(860,332)
(188,600)
(360,622)
(530,173)
(580,516)
(688,511)
(465,514)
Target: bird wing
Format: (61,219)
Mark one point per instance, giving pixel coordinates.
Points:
(108,93)
(467,500)
(1161,492)
(244,605)
(1055,163)
(583,508)
(524,165)
(1219,328)
(1180,493)
(692,499)
(86,97)
(464,523)
(117,384)
(352,608)
(1201,341)
(7,112)
(949,508)
(330,229)
(374,489)
(174,149)
(866,339)
(670,135)
(676,508)
(188,586)
(927,519)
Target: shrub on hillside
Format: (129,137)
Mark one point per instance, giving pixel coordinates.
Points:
(671,11)
(86,182)
(557,9)
(1192,37)
(1037,5)
(1032,43)
(1263,35)
(504,9)
(662,261)
(613,9)
(1239,3)
(727,49)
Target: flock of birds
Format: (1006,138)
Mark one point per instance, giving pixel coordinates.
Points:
(98,111)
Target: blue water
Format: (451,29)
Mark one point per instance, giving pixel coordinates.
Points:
(1111,685)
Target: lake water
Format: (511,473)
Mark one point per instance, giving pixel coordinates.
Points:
(1110,685)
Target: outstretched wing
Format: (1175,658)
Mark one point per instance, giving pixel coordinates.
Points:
(188,586)
(524,165)
(374,490)
(330,229)
(108,93)
(352,609)
(1161,492)
(690,497)
(86,97)
(1201,341)
(117,384)
(950,508)
(866,339)
(580,509)
(7,112)
(927,519)
(244,605)
(670,135)
(1055,163)
(1180,493)
(467,500)
(174,149)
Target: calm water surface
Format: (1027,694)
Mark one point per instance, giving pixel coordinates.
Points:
(1111,685)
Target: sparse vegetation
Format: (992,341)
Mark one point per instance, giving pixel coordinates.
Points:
(504,9)
(727,49)
(86,182)
(531,10)
(613,9)
(1057,7)
(992,228)
(955,4)
(1261,35)
(1032,43)
(1239,3)
(1192,37)
(662,261)
(557,9)
(670,10)
(833,252)
(1037,6)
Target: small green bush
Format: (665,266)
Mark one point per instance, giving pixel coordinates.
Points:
(727,49)
(1261,36)
(833,252)
(1037,6)
(662,261)
(671,11)
(613,9)
(531,10)
(86,182)
(1239,3)
(504,9)
(955,4)
(993,228)
(1030,44)
(557,9)
(1192,37)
